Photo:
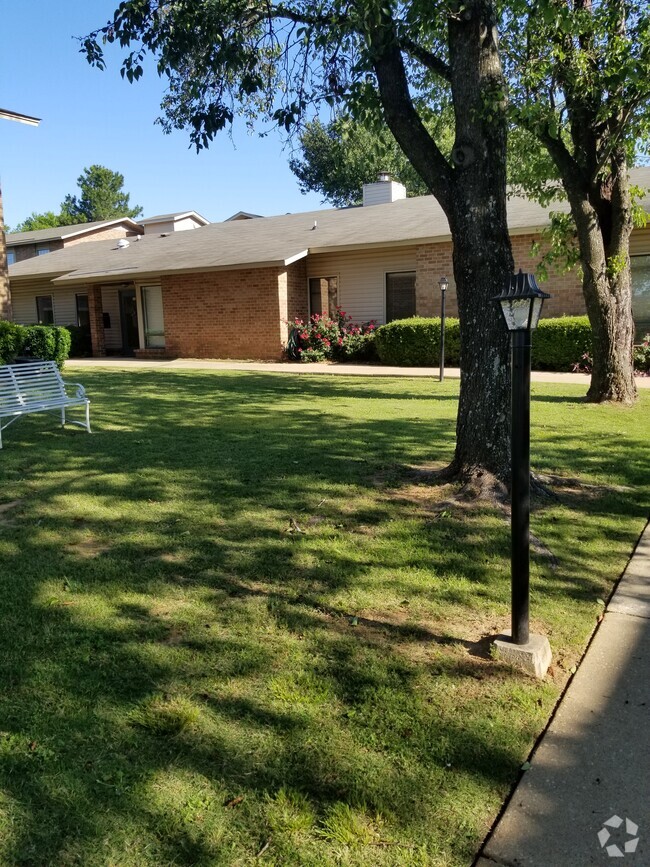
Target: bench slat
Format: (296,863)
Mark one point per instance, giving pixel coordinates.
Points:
(36,386)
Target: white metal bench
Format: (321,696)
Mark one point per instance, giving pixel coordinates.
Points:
(37,386)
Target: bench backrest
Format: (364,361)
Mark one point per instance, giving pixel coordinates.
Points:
(31,384)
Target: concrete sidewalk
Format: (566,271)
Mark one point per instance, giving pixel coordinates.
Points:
(310,369)
(586,797)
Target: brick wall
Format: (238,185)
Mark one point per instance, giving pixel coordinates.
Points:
(114,233)
(96,313)
(565,289)
(28,251)
(435,260)
(297,295)
(223,314)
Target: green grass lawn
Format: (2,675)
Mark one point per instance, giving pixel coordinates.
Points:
(237,628)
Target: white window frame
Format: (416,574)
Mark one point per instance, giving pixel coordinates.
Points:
(322,277)
(51,297)
(142,314)
(632,258)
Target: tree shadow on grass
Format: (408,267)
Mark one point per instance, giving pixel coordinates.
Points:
(168,646)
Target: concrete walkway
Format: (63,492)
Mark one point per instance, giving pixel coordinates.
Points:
(307,369)
(587,793)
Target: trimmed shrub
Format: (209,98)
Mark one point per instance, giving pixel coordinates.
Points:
(415,342)
(40,342)
(359,347)
(559,343)
(47,342)
(12,339)
(62,344)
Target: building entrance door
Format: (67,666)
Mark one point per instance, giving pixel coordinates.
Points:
(129,321)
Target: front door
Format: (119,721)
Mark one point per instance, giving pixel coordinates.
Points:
(129,320)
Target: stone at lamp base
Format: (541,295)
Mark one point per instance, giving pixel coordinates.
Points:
(533,658)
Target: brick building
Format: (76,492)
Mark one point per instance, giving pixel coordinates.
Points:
(227,290)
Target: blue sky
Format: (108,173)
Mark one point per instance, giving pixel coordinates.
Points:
(91,117)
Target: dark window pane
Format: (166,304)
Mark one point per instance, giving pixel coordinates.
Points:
(640,266)
(323,295)
(83,315)
(400,295)
(44,310)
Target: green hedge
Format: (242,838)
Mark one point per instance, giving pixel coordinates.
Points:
(47,342)
(415,342)
(12,337)
(557,343)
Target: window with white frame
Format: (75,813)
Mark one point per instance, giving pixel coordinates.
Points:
(154,322)
(42,249)
(44,310)
(323,295)
(11,257)
(640,267)
(400,295)
(83,313)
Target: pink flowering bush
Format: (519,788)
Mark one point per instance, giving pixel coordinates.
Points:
(325,338)
(585,364)
(641,360)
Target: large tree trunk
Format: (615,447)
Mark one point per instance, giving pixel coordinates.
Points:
(482,264)
(482,249)
(472,192)
(604,225)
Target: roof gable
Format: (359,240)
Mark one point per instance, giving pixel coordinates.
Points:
(61,233)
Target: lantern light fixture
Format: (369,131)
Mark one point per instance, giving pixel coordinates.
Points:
(521,302)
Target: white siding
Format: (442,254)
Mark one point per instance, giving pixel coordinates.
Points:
(111,305)
(382,193)
(23,299)
(184,224)
(640,242)
(362,278)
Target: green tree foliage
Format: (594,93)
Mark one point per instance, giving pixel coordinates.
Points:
(47,220)
(579,75)
(102,197)
(338,159)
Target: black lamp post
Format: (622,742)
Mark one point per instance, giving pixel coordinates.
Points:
(521,303)
(444,285)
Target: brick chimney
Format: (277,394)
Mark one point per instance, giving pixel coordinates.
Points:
(383,191)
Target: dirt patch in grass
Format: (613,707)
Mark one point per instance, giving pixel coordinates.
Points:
(578,487)
(87,548)
(7,511)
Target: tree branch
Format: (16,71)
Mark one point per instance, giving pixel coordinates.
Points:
(402,117)
(425,57)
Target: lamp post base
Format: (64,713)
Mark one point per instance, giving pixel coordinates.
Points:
(534,657)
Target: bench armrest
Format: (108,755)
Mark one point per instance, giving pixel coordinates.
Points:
(81,391)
